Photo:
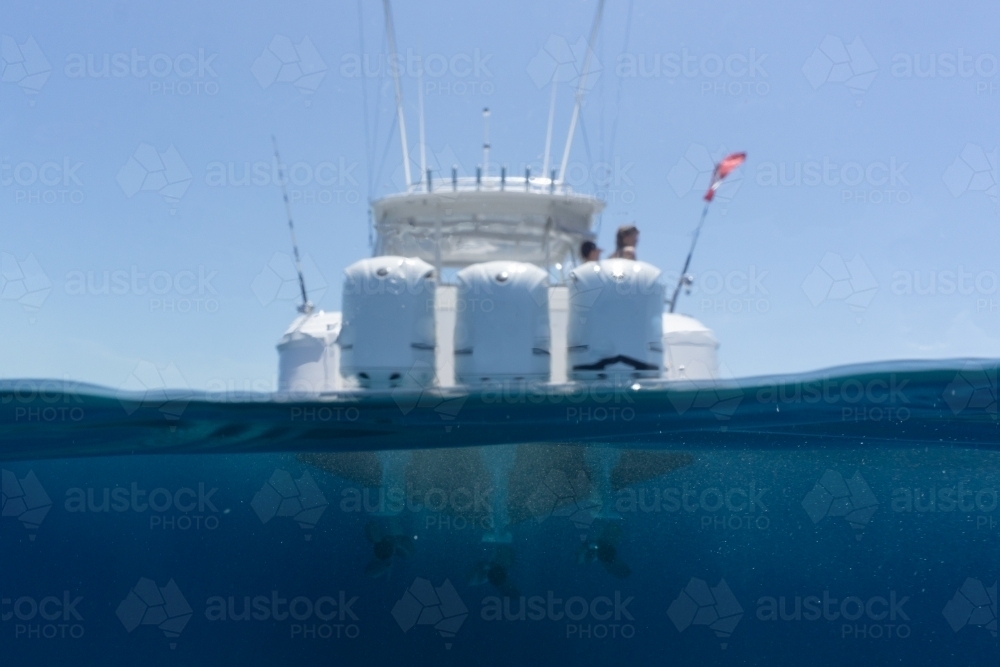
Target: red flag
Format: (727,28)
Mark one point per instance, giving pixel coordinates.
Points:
(723,169)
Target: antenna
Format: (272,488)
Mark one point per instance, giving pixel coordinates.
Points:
(486,141)
(548,131)
(580,90)
(306,307)
(390,34)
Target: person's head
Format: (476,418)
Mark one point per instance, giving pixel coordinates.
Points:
(628,252)
(628,235)
(590,252)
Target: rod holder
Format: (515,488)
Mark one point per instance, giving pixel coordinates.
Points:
(527,178)
(429,188)
(552,181)
(479,177)
(503,177)
(454,177)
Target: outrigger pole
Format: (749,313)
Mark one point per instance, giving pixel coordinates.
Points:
(390,34)
(580,89)
(306,306)
(423,149)
(723,169)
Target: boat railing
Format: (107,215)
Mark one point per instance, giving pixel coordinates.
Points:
(479,183)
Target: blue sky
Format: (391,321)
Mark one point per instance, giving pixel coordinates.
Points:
(863,227)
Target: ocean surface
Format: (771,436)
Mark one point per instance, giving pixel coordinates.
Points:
(842,517)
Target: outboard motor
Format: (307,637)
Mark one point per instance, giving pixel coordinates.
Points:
(387,338)
(502,323)
(615,320)
(308,361)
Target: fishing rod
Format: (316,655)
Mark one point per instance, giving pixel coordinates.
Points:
(723,169)
(306,307)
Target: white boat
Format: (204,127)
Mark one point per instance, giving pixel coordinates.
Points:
(520,307)
(478,280)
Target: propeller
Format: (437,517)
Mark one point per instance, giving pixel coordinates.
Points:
(496,572)
(389,544)
(605,551)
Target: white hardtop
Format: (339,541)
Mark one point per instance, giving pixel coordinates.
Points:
(456,223)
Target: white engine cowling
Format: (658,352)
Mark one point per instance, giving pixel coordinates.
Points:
(387,337)
(502,323)
(690,350)
(308,361)
(615,320)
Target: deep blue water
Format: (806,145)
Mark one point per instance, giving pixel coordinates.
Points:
(844,517)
